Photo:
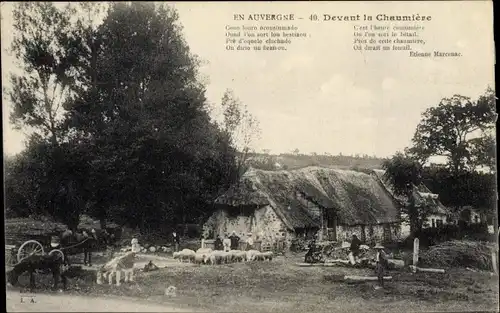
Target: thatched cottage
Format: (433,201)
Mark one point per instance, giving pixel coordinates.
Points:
(439,215)
(281,205)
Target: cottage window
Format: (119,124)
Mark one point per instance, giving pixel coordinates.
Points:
(433,223)
(439,223)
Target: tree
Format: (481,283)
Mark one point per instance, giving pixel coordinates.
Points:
(156,157)
(403,173)
(240,127)
(40,43)
(451,130)
(42,178)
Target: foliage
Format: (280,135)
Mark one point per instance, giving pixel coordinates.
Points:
(459,129)
(156,156)
(435,235)
(135,141)
(41,38)
(240,127)
(47,179)
(469,188)
(403,173)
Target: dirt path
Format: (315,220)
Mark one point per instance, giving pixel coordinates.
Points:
(69,303)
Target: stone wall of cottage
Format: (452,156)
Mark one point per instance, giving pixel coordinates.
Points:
(264,224)
(372,233)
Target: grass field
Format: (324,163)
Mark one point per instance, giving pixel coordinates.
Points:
(281,286)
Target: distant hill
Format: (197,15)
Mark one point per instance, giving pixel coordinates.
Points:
(294,161)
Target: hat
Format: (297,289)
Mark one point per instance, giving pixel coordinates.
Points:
(234,232)
(364,247)
(249,234)
(378,246)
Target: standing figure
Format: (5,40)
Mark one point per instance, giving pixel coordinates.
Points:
(354,254)
(218,243)
(235,241)
(176,240)
(249,242)
(135,245)
(227,243)
(381,259)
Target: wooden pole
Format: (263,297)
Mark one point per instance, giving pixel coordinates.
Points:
(494,261)
(416,244)
(363,278)
(430,270)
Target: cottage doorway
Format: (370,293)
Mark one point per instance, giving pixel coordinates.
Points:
(363,233)
(331,226)
(387,233)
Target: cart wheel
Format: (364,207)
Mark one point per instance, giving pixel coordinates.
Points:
(30,247)
(57,252)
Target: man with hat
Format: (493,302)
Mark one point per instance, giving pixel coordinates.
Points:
(381,259)
(249,242)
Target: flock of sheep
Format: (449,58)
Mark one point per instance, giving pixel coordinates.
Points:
(212,257)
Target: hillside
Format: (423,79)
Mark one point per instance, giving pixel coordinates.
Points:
(294,161)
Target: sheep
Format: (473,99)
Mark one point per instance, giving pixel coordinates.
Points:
(177,256)
(203,255)
(204,250)
(251,254)
(267,255)
(238,255)
(199,258)
(258,256)
(217,257)
(185,254)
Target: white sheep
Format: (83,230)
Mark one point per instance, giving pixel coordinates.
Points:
(267,255)
(177,255)
(199,258)
(251,254)
(185,254)
(238,255)
(204,254)
(216,257)
(204,250)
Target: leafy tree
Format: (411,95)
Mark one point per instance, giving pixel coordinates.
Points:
(156,156)
(403,173)
(40,43)
(240,127)
(450,129)
(42,179)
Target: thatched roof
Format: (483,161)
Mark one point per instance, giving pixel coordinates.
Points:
(356,198)
(423,196)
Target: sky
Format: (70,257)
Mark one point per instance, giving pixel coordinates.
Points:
(320,95)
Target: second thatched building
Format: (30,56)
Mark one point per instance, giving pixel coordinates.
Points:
(281,205)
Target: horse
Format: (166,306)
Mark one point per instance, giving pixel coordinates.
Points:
(53,263)
(84,241)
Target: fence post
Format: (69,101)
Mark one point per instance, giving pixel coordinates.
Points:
(416,244)
(494,261)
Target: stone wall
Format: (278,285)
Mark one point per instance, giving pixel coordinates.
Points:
(373,233)
(264,224)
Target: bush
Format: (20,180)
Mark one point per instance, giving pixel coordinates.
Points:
(432,236)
